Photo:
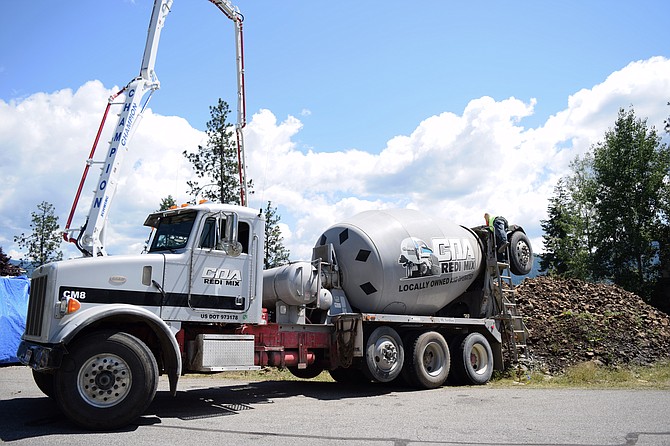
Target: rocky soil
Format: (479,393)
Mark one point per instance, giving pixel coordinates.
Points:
(571,321)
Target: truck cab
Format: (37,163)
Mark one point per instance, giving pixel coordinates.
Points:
(203,266)
(212,263)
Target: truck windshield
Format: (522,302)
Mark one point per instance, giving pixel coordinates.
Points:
(173,232)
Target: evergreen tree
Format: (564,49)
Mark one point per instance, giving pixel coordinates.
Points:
(558,232)
(275,252)
(6,268)
(566,235)
(167,203)
(216,163)
(45,239)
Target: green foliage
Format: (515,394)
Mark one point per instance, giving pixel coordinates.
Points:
(275,252)
(44,242)
(167,203)
(609,219)
(6,268)
(566,236)
(216,162)
(631,168)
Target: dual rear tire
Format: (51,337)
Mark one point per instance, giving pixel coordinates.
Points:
(428,360)
(473,360)
(424,360)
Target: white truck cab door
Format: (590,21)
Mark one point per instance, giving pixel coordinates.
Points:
(219,280)
(217,277)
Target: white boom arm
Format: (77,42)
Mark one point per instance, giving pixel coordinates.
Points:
(91,237)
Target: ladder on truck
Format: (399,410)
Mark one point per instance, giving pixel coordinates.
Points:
(513,328)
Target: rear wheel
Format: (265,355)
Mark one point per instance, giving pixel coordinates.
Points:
(311,371)
(384,355)
(351,376)
(106,381)
(474,361)
(428,360)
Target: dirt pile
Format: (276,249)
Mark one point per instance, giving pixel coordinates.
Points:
(571,321)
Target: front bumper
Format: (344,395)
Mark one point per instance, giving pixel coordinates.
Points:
(40,357)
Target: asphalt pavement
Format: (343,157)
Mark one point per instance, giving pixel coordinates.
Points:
(209,410)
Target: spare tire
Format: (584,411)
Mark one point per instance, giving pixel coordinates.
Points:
(521,254)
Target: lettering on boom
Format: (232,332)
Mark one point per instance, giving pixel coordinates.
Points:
(125,124)
(129,125)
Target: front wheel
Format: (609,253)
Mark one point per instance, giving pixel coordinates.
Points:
(45,382)
(521,254)
(106,381)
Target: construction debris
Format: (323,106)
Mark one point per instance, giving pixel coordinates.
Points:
(572,321)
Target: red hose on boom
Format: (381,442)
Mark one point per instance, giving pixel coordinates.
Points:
(88,165)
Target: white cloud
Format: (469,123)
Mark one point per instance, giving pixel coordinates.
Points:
(46,139)
(453,166)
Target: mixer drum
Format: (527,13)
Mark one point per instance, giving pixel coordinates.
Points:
(403,262)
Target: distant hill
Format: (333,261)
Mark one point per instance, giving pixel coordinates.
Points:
(532,274)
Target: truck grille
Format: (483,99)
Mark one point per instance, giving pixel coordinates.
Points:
(38,292)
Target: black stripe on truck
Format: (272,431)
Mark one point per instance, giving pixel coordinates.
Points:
(147,299)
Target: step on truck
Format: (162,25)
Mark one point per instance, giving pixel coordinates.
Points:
(388,296)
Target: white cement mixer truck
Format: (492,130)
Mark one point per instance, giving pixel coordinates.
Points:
(388,296)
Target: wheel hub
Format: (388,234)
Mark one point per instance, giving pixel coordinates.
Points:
(479,359)
(386,355)
(433,359)
(104,380)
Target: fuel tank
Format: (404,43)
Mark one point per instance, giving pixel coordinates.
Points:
(401,261)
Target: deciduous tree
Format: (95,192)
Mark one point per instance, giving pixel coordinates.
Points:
(610,219)
(631,173)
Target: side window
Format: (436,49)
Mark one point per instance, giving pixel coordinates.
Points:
(208,239)
(243,236)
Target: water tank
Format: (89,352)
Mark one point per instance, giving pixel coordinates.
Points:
(401,261)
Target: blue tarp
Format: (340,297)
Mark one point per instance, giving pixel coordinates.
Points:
(14,292)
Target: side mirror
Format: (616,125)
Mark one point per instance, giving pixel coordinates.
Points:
(229,239)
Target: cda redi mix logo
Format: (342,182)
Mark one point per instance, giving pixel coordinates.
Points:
(453,256)
(221,276)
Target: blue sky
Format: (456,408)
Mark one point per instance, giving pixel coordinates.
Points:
(346,83)
(366,71)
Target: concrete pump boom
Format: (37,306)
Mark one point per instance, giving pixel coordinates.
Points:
(90,238)
(233,13)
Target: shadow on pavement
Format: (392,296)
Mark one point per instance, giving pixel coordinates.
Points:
(33,417)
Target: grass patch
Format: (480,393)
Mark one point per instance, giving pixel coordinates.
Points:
(585,375)
(265,374)
(594,376)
